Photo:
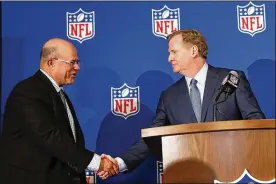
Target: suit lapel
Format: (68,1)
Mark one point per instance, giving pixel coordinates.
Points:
(76,124)
(212,82)
(187,114)
(61,107)
(57,102)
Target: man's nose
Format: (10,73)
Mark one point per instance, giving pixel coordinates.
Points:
(76,66)
(170,58)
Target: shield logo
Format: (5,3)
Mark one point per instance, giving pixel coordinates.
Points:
(251,18)
(80,25)
(125,101)
(90,177)
(159,172)
(165,21)
(247,178)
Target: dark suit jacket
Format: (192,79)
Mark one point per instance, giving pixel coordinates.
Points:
(175,107)
(37,141)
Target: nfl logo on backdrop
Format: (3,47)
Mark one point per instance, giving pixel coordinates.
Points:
(90,177)
(80,25)
(247,178)
(159,172)
(125,101)
(251,18)
(165,21)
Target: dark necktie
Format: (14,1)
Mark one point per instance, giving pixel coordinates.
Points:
(71,119)
(195,99)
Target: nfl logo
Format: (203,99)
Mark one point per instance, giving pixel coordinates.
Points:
(246,177)
(165,21)
(251,18)
(159,172)
(90,177)
(80,25)
(125,101)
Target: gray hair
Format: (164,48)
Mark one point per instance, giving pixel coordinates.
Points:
(47,53)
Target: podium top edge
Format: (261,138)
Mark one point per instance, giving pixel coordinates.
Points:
(209,127)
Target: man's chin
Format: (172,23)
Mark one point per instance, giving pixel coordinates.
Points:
(175,70)
(70,82)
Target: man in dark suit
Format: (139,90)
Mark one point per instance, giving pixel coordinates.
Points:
(42,141)
(190,100)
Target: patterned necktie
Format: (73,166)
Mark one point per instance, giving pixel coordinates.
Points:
(195,99)
(71,119)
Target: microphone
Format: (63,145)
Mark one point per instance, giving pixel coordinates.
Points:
(228,85)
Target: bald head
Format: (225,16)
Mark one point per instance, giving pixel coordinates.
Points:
(59,59)
(53,48)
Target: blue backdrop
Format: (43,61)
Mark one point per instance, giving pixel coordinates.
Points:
(123,43)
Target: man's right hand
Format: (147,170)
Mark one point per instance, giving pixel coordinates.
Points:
(108,167)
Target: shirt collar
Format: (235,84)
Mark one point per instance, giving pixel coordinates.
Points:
(200,76)
(56,86)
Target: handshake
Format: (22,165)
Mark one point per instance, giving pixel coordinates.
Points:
(108,167)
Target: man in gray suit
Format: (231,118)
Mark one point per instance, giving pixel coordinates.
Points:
(191,99)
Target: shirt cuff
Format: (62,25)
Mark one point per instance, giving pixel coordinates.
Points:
(95,163)
(122,164)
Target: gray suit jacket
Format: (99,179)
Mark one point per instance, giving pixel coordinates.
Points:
(175,107)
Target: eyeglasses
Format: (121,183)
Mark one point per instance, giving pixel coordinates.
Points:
(72,63)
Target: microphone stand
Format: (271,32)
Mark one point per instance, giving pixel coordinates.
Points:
(227,91)
(220,90)
(215,112)
(215,109)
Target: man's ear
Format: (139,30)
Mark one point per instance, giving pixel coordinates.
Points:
(50,63)
(194,51)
